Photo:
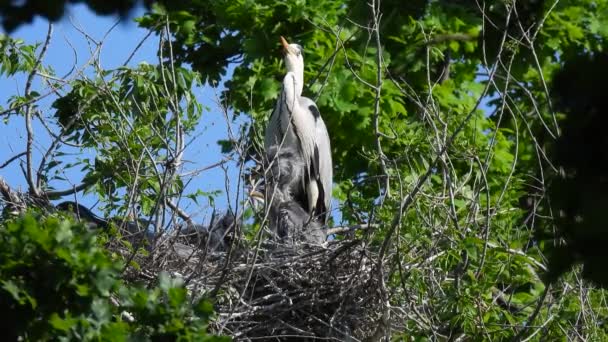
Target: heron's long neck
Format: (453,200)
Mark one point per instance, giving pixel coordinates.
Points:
(292,86)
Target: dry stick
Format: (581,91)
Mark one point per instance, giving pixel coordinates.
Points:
(145,151)
(174,158)
(486,230)
(332,58)
(179,133)
(257,247)
(182,214)
(530,41)
(377,17)
(75,54)
(205,168)
(233,227)
(28,115)
(383,325)
(10,197)
(483,172)
(350,229)
(164,179)
(48,154)
(56,140)
(49,130)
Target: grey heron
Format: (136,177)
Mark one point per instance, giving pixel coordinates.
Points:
(296,123)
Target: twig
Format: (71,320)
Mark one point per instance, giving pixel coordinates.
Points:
(11,159)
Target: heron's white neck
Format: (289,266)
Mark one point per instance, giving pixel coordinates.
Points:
(292,89)
(295,67)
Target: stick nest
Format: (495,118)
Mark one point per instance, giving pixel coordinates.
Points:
(296,292)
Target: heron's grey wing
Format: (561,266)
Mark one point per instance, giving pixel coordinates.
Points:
(325,163)
(273,128)
(303,128)
(322,156)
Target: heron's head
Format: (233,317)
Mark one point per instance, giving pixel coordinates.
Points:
(294,61)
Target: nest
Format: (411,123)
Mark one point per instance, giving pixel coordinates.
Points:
(269,290)
(280,292)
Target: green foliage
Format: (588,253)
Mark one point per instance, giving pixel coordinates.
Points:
(16,56)
(57,283)
(450,74)
(135,118)
(463,103)
(129,112)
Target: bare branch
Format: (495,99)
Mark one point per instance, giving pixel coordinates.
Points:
(12,159)
(28,115)
(71,191)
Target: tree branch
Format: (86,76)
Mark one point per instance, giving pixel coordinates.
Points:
(73,190)
(28,115)
(11,159)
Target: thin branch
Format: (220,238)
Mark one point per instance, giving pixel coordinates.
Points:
(71,191)
(182,214)
(377,16)
(28,114)
(12,159)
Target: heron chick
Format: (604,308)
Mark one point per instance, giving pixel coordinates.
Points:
(289,221)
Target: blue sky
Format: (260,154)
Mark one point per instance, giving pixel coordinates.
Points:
(116,49)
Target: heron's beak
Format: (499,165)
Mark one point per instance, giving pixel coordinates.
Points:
(256,194)
(285,45)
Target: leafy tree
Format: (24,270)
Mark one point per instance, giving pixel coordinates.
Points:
(441,120)
(58,283)
(135,118)
(449,125)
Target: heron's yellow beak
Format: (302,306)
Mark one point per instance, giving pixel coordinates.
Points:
(285,45)
(256,194)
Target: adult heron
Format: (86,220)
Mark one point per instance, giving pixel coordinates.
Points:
(296,123)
